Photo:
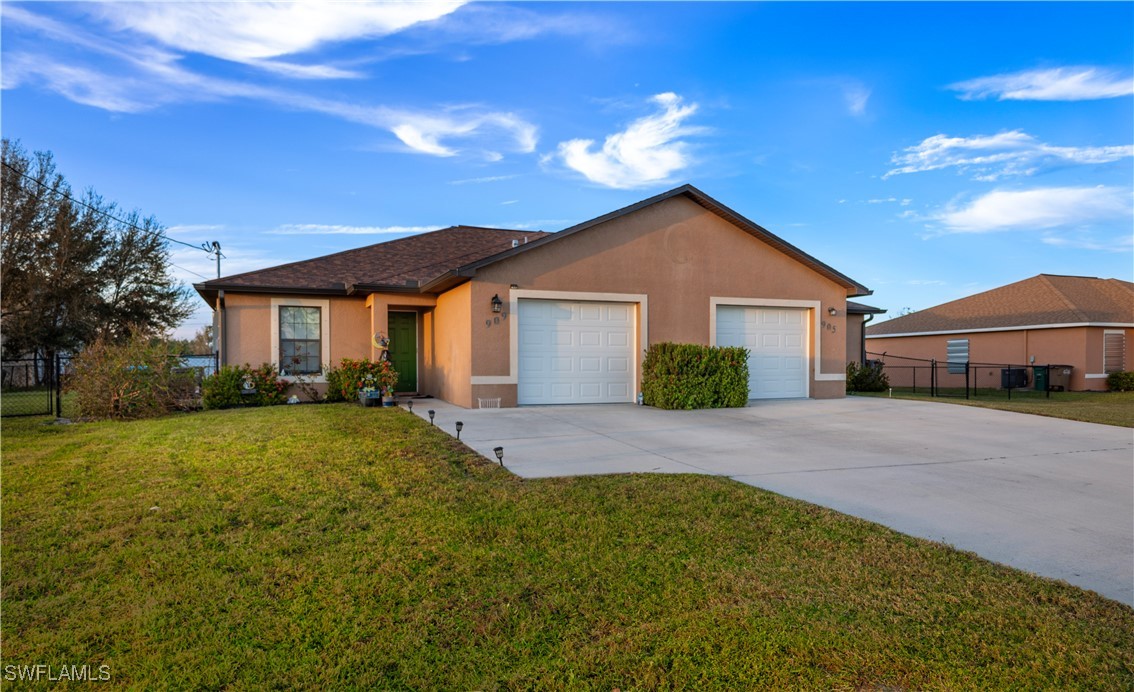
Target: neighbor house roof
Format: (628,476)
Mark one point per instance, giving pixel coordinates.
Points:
(1043,301)
(434,262)
(396,265)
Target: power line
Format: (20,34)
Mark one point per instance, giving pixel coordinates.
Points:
(207,247)
(189,270)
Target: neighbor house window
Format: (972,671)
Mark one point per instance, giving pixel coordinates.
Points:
(1114,351)
(300,340)
(957,354)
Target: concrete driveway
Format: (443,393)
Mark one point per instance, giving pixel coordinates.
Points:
(1049,496)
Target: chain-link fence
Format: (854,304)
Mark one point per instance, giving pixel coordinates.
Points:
(970,380)
(35,386)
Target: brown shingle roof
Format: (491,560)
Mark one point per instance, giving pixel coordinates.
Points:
(1046,299)
(406,262)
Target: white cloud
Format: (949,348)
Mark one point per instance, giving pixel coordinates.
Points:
(486,179)
(1122,243)
(856,95)
(255,32)
(328,229)
(152,78)
(648,151)
(1037,209)
(990,157)
(423,132)
(1056,84)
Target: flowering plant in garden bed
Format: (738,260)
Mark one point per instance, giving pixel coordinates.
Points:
(359,375)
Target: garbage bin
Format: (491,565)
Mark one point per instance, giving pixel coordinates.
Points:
(1054,378)
(1059,377)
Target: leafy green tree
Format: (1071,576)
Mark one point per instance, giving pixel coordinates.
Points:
(70,272)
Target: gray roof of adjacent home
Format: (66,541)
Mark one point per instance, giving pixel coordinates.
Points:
(1045,300)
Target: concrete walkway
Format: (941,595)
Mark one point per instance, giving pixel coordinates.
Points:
(1049,496)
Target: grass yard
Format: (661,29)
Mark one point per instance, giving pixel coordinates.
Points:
(1108,408)
(339,547)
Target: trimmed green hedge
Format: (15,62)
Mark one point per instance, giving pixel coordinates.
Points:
(689,376)
(870,377)
(1120,381)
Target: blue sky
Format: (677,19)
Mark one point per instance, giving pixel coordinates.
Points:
(928,150)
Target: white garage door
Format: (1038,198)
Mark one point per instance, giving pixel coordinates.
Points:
(575,352)
(776,339)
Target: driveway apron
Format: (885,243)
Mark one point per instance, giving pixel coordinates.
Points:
(1049,496)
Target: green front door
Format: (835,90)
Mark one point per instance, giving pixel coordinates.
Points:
(403,349)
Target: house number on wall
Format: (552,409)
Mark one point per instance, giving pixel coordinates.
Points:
(829,326)
(495,320)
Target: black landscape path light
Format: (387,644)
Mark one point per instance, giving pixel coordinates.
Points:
(499,454)
(431,414)
(410,404)
(459,426)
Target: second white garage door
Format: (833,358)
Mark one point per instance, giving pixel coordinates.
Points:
(575,352)
(776,339)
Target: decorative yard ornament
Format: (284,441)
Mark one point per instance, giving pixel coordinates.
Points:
(382,343)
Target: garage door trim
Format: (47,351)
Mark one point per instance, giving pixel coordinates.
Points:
(815,328)
(517,294)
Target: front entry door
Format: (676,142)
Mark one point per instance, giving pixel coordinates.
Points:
(403,349)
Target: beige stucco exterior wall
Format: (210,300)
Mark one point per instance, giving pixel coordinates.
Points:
(680,256)
(446,342)
(1079,347)
(854,338)
(248,321)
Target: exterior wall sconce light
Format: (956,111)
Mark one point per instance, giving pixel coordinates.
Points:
(832,312)
(499,454)
(431,414)
(497,304)
(459,426)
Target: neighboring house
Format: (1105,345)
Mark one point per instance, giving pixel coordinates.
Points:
(547,318)
(1048,319)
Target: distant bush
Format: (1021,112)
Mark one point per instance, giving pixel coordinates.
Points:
(134,379)
(690,376)
(1120,381)
(244,385)
(869,377)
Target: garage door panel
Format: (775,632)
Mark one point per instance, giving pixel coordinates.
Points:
(584,357)
(777,342)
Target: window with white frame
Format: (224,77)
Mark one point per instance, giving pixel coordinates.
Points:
(300,340)
(1114,351)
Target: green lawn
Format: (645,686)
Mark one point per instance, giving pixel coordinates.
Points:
(339,547)
(1108,408)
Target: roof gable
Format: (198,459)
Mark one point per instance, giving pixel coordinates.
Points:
(434,262)
(1043,300)
(853,287)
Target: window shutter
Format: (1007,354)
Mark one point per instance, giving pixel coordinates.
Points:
(957,354)
(1114,351)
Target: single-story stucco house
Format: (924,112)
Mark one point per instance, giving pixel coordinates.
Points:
(1048,319)
(545,318)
